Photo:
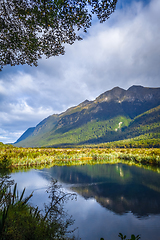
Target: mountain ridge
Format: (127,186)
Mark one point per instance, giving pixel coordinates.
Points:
(102,116)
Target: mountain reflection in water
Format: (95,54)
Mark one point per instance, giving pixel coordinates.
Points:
(110,198)
(119,188)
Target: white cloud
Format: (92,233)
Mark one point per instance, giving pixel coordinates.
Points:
(125,53)
(8,136)
(121,52)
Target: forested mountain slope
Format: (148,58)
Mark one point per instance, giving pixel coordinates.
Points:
(114,115)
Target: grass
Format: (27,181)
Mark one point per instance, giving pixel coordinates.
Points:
(14,157)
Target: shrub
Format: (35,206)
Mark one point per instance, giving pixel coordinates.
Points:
(18,220)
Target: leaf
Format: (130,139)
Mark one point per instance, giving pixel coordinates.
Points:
(22,195)
(133,237)
(121,236)
(14,193)
(60,19)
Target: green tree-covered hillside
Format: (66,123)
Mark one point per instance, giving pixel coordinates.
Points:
(115,115)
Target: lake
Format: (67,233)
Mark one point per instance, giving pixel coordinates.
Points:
(110,198)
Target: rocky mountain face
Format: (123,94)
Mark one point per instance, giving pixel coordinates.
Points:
(90,120)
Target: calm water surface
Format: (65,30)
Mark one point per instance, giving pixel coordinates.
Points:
(110,198)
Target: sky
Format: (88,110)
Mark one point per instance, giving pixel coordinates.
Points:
(123,51)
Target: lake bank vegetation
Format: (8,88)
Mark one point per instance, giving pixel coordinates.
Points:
(19,220)
(14,157)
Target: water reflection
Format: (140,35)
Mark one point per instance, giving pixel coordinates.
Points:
(111,198)
(119,188)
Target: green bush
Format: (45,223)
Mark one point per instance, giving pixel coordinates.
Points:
(20,221)
(5,161)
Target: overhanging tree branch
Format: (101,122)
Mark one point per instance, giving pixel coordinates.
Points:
(32,28)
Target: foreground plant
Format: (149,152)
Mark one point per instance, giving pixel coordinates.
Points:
(123,237)
(18,220)
(133,237)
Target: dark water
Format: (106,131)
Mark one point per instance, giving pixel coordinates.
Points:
(111,198)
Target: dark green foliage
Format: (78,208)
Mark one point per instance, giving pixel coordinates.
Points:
(5,161)
(133,237)
(18,220)
(143,141)
(9,203)
(123,237)
(32,28)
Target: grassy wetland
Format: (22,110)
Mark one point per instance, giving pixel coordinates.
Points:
(16,157)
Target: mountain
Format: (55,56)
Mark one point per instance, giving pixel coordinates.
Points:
(114,115)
